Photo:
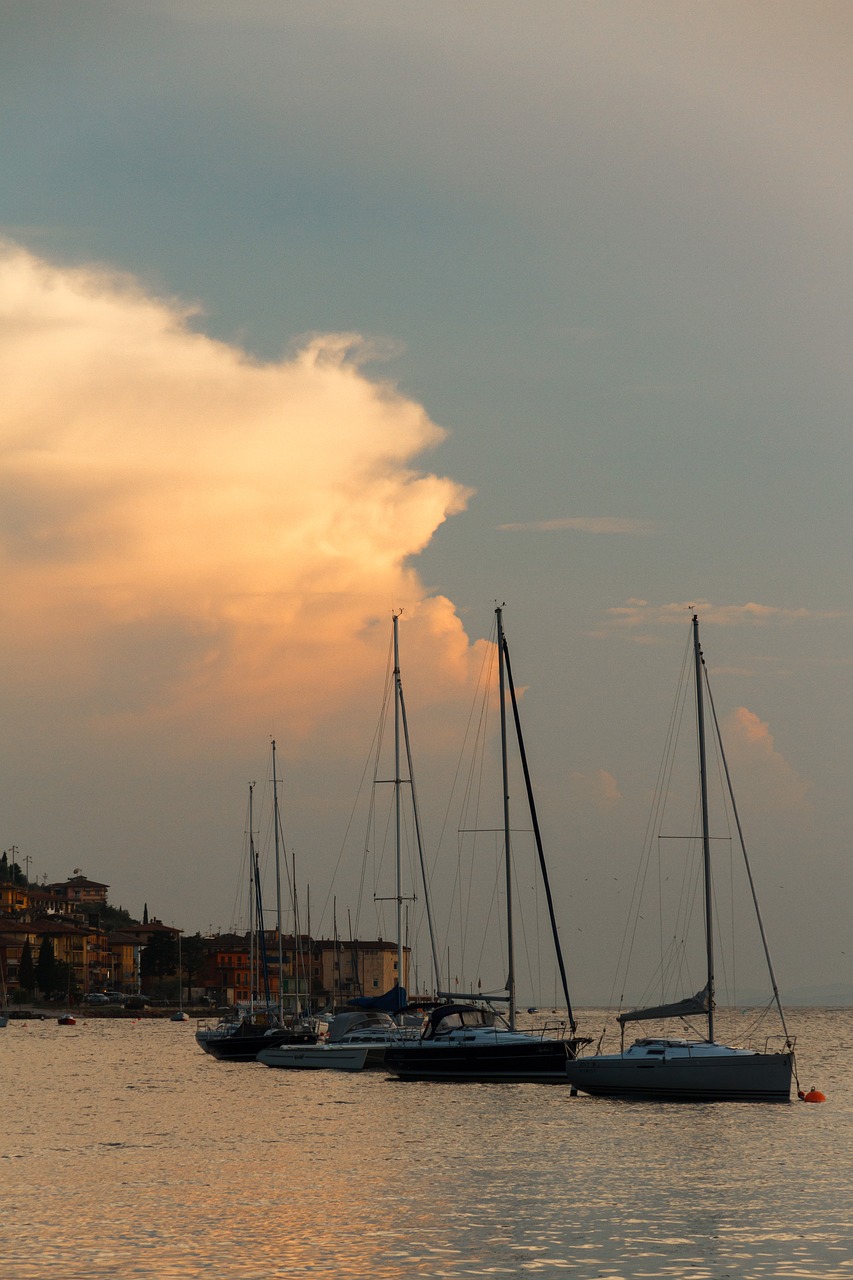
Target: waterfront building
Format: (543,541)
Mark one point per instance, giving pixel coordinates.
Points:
(359,968)
(314,971)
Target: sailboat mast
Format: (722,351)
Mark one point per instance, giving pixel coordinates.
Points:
(335,955)
(263,965)
(251,908)
(277,886)
(397,803)
(420,842)
(538,838)
(510,982)
(706,839)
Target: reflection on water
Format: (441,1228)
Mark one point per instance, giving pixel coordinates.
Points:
(127,1152)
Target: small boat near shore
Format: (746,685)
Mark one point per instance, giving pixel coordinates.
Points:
(181,1015)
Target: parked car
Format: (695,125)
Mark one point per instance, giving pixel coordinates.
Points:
(136,1002)
(115,997)
(95,997)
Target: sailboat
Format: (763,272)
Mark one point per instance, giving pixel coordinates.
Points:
(67,1018)
(180,1015)
(360,1037)
(676,1070)
(465,1038)
(242,1039)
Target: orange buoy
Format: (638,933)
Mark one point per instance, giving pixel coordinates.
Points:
(813,1095)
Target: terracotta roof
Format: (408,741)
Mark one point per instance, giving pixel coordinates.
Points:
(7,925)
(228,941)
(80,881)
(153,926)
(58,924)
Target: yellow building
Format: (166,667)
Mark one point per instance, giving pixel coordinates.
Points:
(359,968)
(331,973)
(70,945)
(125,960)
(13,898)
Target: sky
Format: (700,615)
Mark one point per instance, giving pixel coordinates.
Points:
(316,312)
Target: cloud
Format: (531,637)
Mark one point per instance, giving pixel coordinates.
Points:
(586,524)
(640,613)
(771,783)
(598,788)
(185,530)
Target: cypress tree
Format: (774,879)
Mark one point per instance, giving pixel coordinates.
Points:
(46,968)
(26,969)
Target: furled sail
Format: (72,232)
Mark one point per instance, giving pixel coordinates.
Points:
(393,1001)
(699,1003)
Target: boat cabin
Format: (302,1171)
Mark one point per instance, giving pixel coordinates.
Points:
(661,1049)
(460,1017)
(361,1024)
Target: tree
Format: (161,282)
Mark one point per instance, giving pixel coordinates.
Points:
(10,871)
(26,969)
(193,955)
(66,982)
(159,958)
(114,919)
(46,975)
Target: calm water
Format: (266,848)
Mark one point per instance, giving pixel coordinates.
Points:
(127,1152)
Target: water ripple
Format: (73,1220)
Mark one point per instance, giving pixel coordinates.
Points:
(150,1159)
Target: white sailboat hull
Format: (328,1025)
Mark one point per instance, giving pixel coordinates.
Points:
(687,1073)
(317,1057)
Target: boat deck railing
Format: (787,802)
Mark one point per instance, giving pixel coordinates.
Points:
(548,1031)
(779,1043)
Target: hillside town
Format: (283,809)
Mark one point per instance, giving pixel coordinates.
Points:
(64,943)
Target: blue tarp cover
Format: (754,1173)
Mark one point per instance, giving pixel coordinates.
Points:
(393,1001)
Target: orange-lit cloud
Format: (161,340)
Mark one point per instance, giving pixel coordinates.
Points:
(185,532)
(771,783)
(598,789)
